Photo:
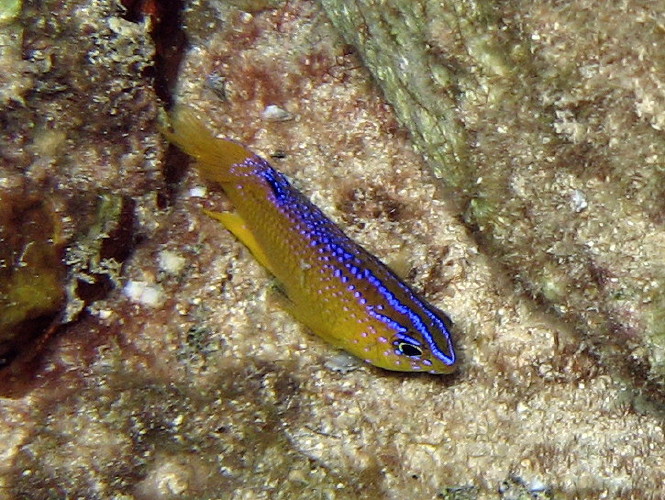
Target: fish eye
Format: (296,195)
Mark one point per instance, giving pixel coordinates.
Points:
(409,349)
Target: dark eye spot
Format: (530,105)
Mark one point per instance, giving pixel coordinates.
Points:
(409,349)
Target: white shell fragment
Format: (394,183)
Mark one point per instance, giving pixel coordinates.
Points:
(274,113)
(578,201)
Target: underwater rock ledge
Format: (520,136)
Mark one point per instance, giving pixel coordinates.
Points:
(547,120)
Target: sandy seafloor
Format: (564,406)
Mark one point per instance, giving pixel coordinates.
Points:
(188,381)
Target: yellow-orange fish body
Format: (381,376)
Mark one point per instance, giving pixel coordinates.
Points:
(334,286)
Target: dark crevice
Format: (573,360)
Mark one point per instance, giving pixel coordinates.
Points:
(168,36)
(170,43)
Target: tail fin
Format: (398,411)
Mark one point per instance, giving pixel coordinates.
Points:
(215,156)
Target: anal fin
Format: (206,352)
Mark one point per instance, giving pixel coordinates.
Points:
(236,225)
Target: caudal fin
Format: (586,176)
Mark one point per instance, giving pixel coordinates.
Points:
(215,156)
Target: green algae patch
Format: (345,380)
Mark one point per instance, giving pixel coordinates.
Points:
(9,9)
(256,5)
(31,271)
(34,289)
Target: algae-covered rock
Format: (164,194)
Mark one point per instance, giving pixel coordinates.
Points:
(95,259)
(76,106)
(9,9)
(547,120)
(31,270)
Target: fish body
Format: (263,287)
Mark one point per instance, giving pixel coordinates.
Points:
(334,286)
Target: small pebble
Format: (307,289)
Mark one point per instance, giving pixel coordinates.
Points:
(144,293)
(274,113)
(343,363)
(578,201)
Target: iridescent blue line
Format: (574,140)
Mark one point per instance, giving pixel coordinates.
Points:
(322,232)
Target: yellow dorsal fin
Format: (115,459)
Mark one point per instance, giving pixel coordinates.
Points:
(215,156)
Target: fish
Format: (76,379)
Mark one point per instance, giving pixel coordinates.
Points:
(331,284)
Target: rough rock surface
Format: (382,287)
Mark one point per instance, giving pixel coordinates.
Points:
(77,111)
(548,118)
